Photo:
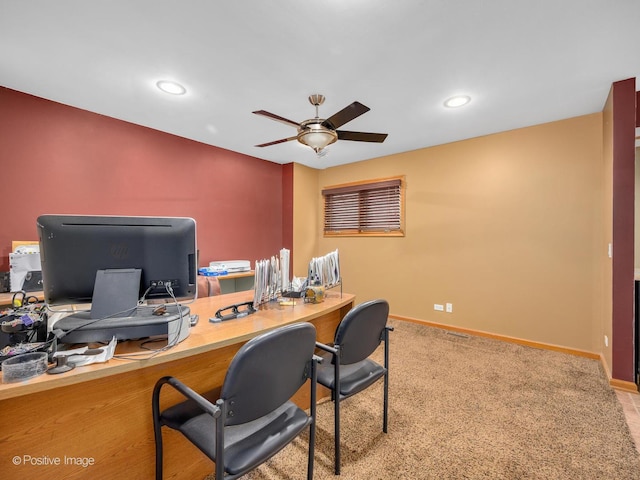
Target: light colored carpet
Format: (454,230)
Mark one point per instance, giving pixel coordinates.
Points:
(473,408)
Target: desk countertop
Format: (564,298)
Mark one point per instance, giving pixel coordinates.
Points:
(5,298)
(204,337)
(102,411)
(230,276)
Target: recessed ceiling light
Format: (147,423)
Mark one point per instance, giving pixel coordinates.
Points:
(457,101)
(173,88)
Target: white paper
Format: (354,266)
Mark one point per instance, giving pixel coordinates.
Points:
(284,269)
(19,265)
(325,270)
(79,360)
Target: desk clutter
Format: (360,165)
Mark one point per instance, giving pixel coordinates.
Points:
(27,335)
(23,367)
(272,279)
(24,267)
(232,312)
(23,326)
(28,350)
(325,270)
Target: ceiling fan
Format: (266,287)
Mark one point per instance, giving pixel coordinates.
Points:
(318,133)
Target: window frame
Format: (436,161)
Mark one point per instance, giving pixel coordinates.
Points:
(363,190)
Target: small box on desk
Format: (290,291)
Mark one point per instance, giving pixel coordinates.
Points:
(22,265)
(210,272)
(231,266)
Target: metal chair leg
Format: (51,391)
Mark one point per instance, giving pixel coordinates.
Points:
(159,456)
(385,402)
(157,430)
(337,435)
(337,411)
(312,427)
(386,379)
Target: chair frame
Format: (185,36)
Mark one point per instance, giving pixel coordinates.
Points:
(218,411)
(336,397)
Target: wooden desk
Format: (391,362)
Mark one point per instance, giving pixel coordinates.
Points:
(236,282)
(101,413)
(6,297)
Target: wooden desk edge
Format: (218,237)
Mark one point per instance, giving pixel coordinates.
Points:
(100,370)
(6,297)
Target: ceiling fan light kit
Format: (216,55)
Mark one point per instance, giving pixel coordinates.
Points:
(316,136)
(318,133)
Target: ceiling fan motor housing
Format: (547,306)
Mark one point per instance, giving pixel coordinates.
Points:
(313,134)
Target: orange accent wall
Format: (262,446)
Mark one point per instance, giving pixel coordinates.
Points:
(506,227)
(59,159)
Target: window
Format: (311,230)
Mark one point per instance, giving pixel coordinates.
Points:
(371,208)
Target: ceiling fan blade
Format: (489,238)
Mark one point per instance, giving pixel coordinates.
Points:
(361,136)
(278,118)
(345,115)
(275,142)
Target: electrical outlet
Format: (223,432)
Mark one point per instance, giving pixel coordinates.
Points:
(438,307)
(449,307)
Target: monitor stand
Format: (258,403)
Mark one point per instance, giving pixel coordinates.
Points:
(115,292)
(115,313)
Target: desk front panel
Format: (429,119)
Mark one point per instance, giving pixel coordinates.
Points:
(100,426)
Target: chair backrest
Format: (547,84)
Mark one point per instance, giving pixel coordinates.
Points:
(360,331)
(267,371)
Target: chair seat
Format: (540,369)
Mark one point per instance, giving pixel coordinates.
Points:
(354,377)
(246,445)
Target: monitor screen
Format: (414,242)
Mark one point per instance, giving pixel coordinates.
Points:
(76,249)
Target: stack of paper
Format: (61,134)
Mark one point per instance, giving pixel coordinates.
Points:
(325,270)
(268,280)
(284,268)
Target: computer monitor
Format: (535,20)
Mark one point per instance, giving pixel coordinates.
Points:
(79,252)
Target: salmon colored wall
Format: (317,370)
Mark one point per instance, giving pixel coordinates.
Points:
(624,120)
(59,159)
(636,235)
(287,209)
(506,227)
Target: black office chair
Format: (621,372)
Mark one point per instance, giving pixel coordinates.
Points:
(253,418)
(347,369)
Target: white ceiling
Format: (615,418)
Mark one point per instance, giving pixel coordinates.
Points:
(522,62)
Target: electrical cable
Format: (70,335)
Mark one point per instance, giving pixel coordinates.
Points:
(153,352)
(59,334)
